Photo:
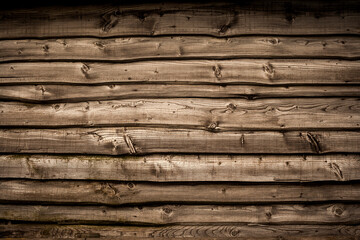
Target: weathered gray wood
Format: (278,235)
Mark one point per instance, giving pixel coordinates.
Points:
(283,17)
(117,141)
(179,47)
(183,214)
(208,114)
(244,71)
(162,168)
(245,232)
(80,192)
(76,93)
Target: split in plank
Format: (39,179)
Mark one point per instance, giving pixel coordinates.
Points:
(110,193)
(179,47)
(118,141)
(193,113)
(76,93)
(225,231)
(184,168)
(187,214)
(285,18)
(245,71)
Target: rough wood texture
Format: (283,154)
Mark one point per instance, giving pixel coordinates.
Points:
(246,71)
(162,168)
(208,114)
(282,17)
(184,47)
(184,214)
(109,193)
(75,93)
(117,141)
(245,232)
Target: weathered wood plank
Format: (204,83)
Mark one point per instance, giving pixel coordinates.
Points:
(245,232)
(109,193)
(284,17)
(117,141)
(162,168)
(76,93)
(184,47)
(208,114)
(245,71)
(185,214)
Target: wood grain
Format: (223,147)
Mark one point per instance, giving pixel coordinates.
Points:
(118,141)
(208,114)
(109,193)
(245,232)
(75,93)
(283,17)
(245,71)
(185,214)
(179,47)
(184,168)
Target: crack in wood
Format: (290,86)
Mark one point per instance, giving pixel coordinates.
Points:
(337,171)
(85,69)
(129,143)
(314,142)
(242,139)
(230,22)
(110,21)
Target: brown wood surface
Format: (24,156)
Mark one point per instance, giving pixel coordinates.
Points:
(208,114)
(245,232)
(75,93)
(109,193)
(185,214)
(244,119)
(179,47)
(220,20)
(118,141)
(245,71)
(184,168)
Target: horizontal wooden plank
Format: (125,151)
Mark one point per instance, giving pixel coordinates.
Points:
(245,71)
(117,141)
(283,17)
(76,93)
(109,193)
(185,214)
(208,114)
(162,168)
(176,47)
(245,232)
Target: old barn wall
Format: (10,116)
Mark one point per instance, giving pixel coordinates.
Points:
(215,120)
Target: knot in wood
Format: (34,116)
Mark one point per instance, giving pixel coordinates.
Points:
(130,185)
(46,48)
(167,210)
(273,41)
(269,70)
(57,107)
(217,71)
(235,233)
(231,107)
(100,45)
(212,126)
(337,210)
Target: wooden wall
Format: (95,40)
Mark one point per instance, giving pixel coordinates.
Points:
(215,120)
